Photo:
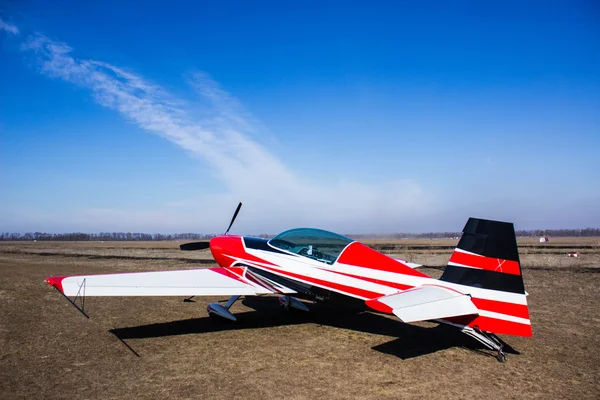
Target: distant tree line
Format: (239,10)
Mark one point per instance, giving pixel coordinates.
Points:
(520,233)
(561,232)
(102,236)
(122,236)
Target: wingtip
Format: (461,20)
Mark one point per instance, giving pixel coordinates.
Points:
(55,281)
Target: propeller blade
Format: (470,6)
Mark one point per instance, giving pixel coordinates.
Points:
(237,210)
(195,246)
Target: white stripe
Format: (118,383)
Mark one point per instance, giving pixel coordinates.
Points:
(269,284)
(511,318)
(283,275)
(318,270)
(306,266)
(467,252)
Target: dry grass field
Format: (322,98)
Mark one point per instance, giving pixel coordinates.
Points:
(165,348)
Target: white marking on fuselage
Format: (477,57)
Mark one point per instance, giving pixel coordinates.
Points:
(319,270)
(323,271)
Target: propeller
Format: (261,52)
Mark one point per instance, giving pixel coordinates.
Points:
(237,210)
(195,246)
(206,244)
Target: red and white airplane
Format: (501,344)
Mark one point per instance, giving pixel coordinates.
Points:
(480,292)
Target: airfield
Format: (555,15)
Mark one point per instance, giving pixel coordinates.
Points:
(166,348)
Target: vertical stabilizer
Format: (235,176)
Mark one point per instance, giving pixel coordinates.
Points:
(486,257)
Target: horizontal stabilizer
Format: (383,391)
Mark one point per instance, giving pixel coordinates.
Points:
(425,303)
(193,282)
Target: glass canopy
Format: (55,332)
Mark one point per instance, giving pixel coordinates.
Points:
(316,244)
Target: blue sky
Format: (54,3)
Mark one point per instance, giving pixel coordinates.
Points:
(359,117)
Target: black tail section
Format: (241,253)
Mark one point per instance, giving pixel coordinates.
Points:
(486,257)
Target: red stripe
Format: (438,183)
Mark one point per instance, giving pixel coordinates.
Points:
(375,304)
(501,326)
(256,281)
(261,282)
(329,285)
(516,310)
(225,249)
(227,273)
(493,325)
(378,281)
(237,270)
(487,263)
(362,256)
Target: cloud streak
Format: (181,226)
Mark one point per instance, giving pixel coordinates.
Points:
(275,196)
(13,30)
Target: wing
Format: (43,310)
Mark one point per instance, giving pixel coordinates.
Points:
(193,282)
(425,303)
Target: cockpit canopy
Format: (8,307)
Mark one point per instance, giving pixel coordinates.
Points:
(317,244)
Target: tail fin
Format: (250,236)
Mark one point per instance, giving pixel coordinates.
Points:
(486,257)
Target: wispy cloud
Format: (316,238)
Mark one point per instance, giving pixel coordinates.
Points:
(276,196)
(4,26)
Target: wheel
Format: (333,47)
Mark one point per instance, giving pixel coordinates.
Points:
(216,318)
(501,357)
(283,303)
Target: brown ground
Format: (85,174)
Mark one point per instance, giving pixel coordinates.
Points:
(49,350)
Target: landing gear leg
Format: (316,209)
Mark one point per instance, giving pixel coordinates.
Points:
(230,302)
(490,340)
(284,301)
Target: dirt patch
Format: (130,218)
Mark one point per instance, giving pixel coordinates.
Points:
(163,347)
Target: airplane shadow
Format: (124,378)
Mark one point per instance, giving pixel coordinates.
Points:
(410,340)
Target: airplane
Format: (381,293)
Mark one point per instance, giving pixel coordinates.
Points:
(481,291)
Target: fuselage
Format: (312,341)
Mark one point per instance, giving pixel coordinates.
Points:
(354,276)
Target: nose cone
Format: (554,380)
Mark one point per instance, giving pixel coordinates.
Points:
(226,248)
